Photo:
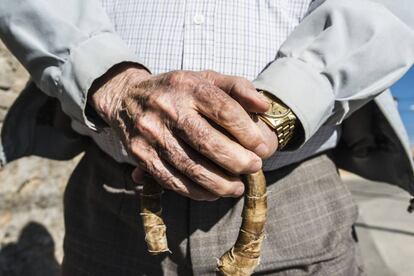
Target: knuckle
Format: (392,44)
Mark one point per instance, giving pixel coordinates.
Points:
(140,150)
(172,183)
(194,129)
(148,164)
(178,77)
(141,122)
(209,75)
(147,126)
(175,77)
(185,121)
(242,165)
(237,169)
(256,137)
(224,190)
(198,174)
(223,112)
(163,177)
(163,106)
(154,100)
(137,152)
(202,87)
(192,169)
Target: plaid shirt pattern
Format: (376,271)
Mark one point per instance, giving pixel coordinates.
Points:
(232,37)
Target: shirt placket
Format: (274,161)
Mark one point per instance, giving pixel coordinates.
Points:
(198,44)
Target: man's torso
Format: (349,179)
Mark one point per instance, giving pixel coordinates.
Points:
(232,37)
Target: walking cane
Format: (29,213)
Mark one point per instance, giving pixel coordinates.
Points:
(244,256)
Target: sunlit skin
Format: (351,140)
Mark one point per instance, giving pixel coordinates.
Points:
(191,131)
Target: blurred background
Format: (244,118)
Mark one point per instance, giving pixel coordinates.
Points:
(31,220)
(403,92)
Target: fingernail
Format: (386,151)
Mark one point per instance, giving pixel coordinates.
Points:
(239,191)
(256,164)
(261,150)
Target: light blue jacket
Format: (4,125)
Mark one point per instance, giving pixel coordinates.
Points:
(335,68)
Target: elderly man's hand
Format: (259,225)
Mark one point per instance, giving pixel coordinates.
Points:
(189,130)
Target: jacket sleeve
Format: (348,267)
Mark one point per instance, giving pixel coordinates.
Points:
(343,54)
(64,44)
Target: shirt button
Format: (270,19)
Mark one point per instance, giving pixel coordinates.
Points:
(198,19)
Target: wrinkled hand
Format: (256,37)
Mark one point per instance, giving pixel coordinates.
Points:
(189,130)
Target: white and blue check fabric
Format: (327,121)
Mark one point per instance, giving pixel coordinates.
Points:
(232,37)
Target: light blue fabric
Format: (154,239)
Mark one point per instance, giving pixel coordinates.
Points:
(65,46)
(342,55)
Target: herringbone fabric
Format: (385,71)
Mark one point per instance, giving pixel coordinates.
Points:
(308,231)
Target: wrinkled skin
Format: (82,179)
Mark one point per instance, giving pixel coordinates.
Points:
(190,131)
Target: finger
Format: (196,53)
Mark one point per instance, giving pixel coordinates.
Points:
(165,175)
(270,137)
(240,89)
(138,175)
(216,146)
(200,135)
(196,167)
(216,105)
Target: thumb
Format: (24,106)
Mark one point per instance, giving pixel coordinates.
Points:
(138,175)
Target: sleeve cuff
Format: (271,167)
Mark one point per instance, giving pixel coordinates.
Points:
(87,62)
(307,92)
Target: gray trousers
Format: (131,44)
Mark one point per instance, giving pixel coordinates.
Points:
(308,231)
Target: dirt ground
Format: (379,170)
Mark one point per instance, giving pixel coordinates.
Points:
(31,222)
